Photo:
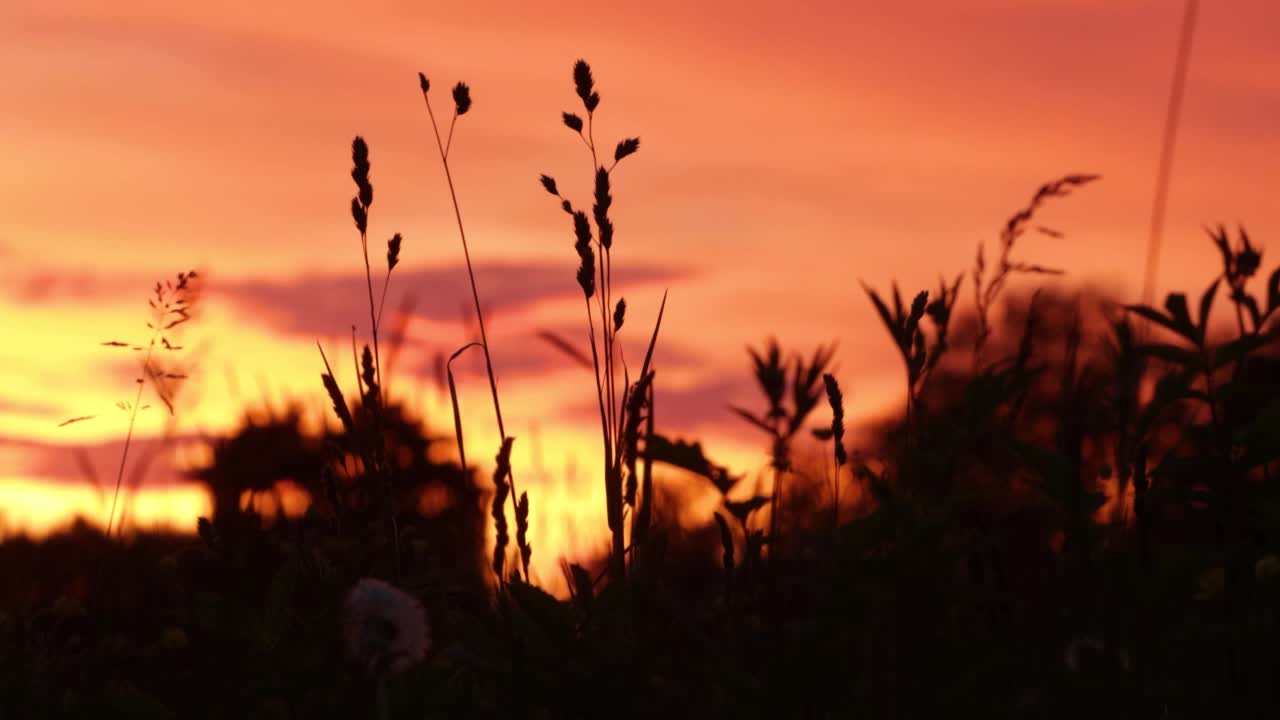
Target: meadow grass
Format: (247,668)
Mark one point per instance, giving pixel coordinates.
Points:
(1066,519)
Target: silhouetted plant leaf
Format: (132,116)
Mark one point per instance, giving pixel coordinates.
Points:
(1273,292)
(741,509)
(1206,304)
(335,393)
(562,344)
(886,317)
(1237,349)
(806,390)
(917,311)
(751,418)
(1171,353)
(689,457)
(726,543)
(1158,318)
(1255,313)
(573,122)
(771,376)
(1176,305)
(653,339)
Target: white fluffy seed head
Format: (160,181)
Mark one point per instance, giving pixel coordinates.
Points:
(386,629)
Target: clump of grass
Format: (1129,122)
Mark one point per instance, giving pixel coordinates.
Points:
(621,410)
(368,365)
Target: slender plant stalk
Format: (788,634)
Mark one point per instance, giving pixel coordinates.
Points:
(644,513)
(453,399)
(1165,170)
(379,451)
(835,494)
(605,301)
(128,438)
(613,493)
(373,316)
(475,294)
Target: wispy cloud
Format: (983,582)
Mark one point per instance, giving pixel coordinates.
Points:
(329,304)
(152,460)
(39,285)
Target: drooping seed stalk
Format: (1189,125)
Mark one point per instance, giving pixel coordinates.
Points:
(475,294)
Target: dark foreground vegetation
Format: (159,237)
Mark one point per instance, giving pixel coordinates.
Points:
(1076,514)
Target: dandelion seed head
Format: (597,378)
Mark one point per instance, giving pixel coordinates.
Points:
(385,628)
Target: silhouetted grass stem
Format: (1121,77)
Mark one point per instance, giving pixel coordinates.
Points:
(475,294)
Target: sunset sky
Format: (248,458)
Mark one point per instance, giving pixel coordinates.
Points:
(788,150)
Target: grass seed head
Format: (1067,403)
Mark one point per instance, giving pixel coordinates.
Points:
(359,215)
(393,251)
(360,171)
(461,98)
(339,402)
(619,314)
(603,200)
(522,530)
(587,256)
(625,148)
(498,509)
(836,399)
(583,83)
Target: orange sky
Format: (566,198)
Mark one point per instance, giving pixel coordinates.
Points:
(788,150)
